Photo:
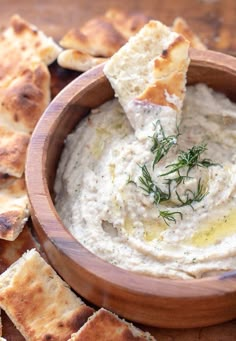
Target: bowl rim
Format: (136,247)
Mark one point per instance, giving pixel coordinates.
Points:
(48,218)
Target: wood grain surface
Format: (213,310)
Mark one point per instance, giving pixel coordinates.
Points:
(215,23)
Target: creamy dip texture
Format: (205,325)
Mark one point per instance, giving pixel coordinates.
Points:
(105,171)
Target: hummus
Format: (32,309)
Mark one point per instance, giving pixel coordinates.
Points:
(107,188)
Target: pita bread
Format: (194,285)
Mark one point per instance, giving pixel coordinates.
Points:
(9,330)
(25,97)
(27,40)
(105,326)
(10,251)
(14,209)
(49,310)
(180,26)
(149,71)
(169,73)
(75,60)
(128,24)
(13,147)
(97,37)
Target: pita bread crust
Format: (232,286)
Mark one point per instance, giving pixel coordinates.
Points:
(152,63)
(128,24)
(170,76)
(30,40)
(180,26)
(14,209)
(25,98)
(49,310)
(97,37)
(13,147)
(105,326)
(75,60)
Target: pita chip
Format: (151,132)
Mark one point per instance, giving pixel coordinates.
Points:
(49,309)
(76,60)
(25,97)
(97,37)
(106,326)
(13,147)
(180,26)
(14,209)
(149,72)
(128,24)
(29,40)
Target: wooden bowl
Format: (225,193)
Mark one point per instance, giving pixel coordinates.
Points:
(148,300)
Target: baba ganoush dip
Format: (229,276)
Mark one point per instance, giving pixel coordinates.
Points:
(163,206)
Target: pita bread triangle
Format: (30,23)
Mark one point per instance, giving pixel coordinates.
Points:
(14,209)
(106,326)
(49,309)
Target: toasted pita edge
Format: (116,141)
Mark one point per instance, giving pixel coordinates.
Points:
(97,37)
(104,325)
(12,223)
(45,47)
(127,23)
(169,72)
(13,147)
(14,216)
(151,63)
(26,97)
(49,309)
(181,26)
(75,60)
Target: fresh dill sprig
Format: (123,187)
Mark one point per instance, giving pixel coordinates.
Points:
(130,181)
(190,159)
(178,180)
(162,144)
(190,197)
(169,216)
(149,187)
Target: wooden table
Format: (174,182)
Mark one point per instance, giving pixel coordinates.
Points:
(213,20)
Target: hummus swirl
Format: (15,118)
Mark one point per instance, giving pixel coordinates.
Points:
(100,199)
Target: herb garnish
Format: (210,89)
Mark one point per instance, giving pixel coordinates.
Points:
(190,159)
(168,216)
(148,185)
(130,181)
(191,197)
(162,144)
(186,160)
